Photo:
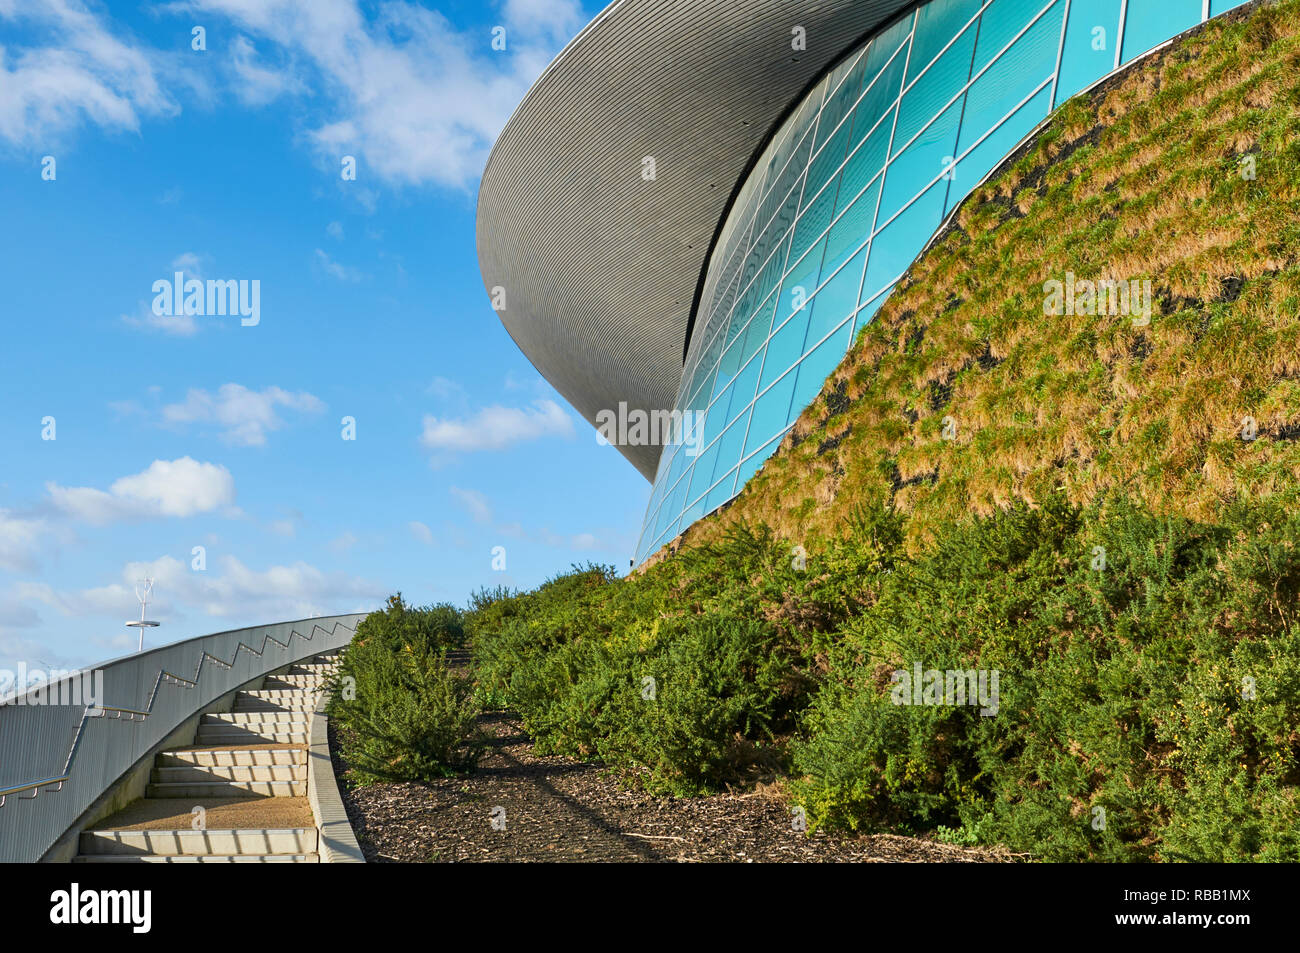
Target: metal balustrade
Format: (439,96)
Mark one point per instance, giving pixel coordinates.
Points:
(79,751)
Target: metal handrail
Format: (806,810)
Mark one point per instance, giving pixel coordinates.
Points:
(102,711)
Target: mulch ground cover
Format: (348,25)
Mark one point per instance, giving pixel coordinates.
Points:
(521,806)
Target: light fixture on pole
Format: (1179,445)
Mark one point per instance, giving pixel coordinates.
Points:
(142,593)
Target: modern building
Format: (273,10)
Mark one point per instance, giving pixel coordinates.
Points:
(700,202)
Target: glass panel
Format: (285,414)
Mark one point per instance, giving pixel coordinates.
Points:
(936,23)
(1090,38)
(785,347)
(730,445)
(922,163)
(944,79)
(800,284)
(1148,23)
(894,248)
(771,412)
(837,299)
(720,493)
(994,149)
(746,384)
(842,99)
(851,230)
(866,313)
(814,221)
(876,103)
(702,477)
(1005,18)
(817,366)
(759,328)
(751,465)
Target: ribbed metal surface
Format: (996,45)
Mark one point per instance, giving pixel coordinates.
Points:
(600,266)
(36,740)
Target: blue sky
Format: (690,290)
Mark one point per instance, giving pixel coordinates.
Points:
(176,432)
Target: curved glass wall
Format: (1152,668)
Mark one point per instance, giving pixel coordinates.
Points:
(849,191)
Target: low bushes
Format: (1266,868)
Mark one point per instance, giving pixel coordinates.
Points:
(405,714)
(1147,675)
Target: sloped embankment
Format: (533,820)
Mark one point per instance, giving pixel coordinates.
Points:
(963,396)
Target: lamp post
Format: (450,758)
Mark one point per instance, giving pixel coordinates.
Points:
(142,593)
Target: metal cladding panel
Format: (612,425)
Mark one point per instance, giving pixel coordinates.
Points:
(600,266)
(39,741)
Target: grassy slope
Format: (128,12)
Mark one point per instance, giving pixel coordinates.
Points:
(1138,180)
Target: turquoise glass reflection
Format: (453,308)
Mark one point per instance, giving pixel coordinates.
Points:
(848,192)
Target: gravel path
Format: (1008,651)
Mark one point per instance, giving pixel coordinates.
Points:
(558,809)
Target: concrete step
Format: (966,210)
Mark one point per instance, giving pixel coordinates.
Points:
(255,718)
(293,696)
(303,703)
(229,757)
(176,774)
(235,734)
(207,789)
(199,859)
(312,669)
(289,682)
(190,843)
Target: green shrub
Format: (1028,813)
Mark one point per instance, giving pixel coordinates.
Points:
(405,714)
(1122,729)
(1122,732)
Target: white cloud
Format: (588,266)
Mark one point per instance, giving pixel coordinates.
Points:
(190,263)
(231,588)
(335,270)
(421,532)
(580,541)
(335,230)
(183,487)
(245,416)
(444,388)
(475,503)
(18,541)
(257,84)
(75,70)
(342,543)
(415,99)
(180,325)
(496,427)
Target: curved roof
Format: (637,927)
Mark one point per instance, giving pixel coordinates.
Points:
(600,266)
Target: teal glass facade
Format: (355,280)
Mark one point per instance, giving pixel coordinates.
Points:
(851,188)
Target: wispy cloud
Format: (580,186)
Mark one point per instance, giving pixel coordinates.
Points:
(176,488)
(415,99)
(18,541)
(497,427)
(245,416)
(336,270)
(76,68)
(180,325)
(421,532)
(257,83)
(474,503)
(231,587)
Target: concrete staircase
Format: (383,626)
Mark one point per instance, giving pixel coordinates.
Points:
(247,768)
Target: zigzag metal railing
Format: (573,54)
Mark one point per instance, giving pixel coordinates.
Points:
(103,711)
